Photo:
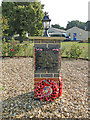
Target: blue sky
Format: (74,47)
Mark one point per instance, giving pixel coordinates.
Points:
(62,11)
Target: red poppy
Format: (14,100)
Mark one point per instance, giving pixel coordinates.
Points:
(15,44)
(11,49)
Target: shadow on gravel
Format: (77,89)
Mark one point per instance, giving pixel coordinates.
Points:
(20,105)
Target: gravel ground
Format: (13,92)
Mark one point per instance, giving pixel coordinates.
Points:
(18,96)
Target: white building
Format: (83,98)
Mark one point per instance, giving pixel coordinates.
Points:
(55,30)
(77,34)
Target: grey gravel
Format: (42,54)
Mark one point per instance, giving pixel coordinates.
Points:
(18,96)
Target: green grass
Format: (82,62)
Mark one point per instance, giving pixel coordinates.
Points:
(2,88)
(28,49)
(68,45)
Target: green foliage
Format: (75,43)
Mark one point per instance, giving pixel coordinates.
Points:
(83,46)
(10,48)
(74,52)
(4,26)
(23,17)
(26,50)
(0,11)
(2,88)
(76,23)
(58,26)
(63,49)
(88,25)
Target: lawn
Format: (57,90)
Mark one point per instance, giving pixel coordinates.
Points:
(66,45)
(28,49)
(83,46)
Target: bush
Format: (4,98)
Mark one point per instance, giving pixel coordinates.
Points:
(10,48)
(74,52)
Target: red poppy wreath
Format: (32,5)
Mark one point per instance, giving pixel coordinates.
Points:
(47,90)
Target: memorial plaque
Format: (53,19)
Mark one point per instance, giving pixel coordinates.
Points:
(46,60)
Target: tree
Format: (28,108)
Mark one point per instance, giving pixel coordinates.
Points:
(76,23)
(0,10)
(57,26)
(88,25)
(23,17)
(4,26)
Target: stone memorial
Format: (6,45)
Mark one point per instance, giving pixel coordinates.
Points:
(47,63)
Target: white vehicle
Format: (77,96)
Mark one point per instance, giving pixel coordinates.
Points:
(68,38)
(57,35)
